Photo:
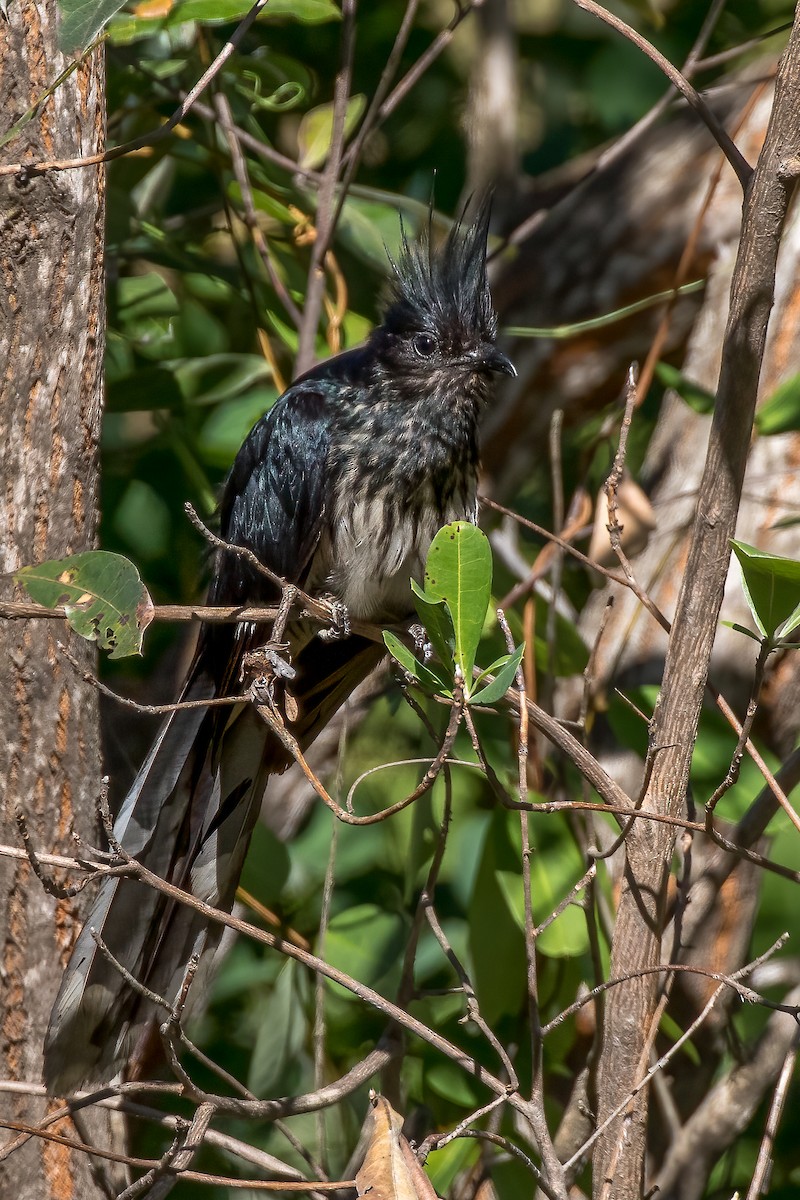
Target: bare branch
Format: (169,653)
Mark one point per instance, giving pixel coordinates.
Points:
(740,166)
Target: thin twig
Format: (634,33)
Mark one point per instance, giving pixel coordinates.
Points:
(732,774)
(615,476)
(372,115)
(155,135)
(473,1012)
(728,981)
(760,1181)
(741,167)
(656,613)
(462,9)
(239,165)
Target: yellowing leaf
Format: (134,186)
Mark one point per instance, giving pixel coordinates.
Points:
(103,595)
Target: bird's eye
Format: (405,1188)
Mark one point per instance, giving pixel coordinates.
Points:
(424,345)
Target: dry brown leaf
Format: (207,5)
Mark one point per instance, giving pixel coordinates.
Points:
(390,1170)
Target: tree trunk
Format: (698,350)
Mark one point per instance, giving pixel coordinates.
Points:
(51,356)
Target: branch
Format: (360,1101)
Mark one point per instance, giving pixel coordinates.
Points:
(741,167)
(728,1108)
(641,913)
(27,170)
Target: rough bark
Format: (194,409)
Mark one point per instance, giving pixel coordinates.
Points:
(51,353)
(620,1160)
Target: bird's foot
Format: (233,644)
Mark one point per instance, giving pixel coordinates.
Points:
(262,667)
(422,647)
(340,623)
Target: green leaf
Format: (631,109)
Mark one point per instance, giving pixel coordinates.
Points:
(741,629)
(229,424)
(220,376)
(366,943)
(781,412)
(316,130)
(420,671)
(139,296)
(496,942)
(672,1029)
(693,394)
(282,1036)
(104,597)
(459,572)
(306,12)
(82,20)
(506,669)
(771,586)
(435,616)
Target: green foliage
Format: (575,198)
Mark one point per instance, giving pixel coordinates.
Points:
(452,607)
(696,397)
(103,595)
(316,130)
(82,20)
(771,586)
(780,412)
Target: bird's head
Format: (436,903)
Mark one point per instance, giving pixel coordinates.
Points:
(439,326)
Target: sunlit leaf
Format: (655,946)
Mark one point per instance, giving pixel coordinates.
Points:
(771,586)
(104,597)
(459,572)
(306,12)
(780,413)
(316,130)
(506,669)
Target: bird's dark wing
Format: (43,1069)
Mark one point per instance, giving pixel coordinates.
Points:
(273,503)
(274,497)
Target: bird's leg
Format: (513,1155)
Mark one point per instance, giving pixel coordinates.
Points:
(262,666)
(422,647)
(340,623)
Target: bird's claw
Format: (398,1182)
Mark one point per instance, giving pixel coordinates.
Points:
(263,666)
(422,647)
(340,623)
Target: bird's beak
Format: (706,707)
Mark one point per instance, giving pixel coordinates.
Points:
(492,359)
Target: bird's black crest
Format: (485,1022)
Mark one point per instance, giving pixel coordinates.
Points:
(444,285)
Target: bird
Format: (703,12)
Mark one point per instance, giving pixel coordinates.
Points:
(339,489)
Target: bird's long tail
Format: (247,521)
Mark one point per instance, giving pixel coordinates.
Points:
(188,818)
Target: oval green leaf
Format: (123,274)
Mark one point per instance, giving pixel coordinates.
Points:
(459,572)
(436,619)
(423,674)
(316,130)
(506,670)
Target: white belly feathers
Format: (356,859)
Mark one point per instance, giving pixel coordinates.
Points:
(375,550)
